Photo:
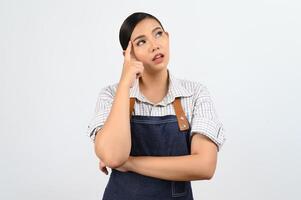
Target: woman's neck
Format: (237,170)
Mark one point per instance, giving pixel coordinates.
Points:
(154,86)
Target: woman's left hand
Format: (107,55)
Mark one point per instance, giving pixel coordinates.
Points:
(103,167)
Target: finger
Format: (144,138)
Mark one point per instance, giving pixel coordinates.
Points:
(139,74)
(133,57)
(128,51)
(104,170)
(138,63)
(101,165)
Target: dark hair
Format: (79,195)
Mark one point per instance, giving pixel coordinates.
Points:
(129,24)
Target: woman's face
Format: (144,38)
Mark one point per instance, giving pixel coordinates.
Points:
(148,40)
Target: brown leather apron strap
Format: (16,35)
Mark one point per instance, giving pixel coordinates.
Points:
(180,114)
(182,120)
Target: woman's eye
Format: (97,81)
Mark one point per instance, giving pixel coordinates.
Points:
(159,33)
(140,42)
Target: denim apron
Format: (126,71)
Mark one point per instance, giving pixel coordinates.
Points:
(167,135)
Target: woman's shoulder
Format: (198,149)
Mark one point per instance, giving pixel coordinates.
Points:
(193,86)
(108,91)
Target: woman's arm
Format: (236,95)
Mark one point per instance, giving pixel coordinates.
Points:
(198,166)
(113,141)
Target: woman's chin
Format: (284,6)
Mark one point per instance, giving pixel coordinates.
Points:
(157,68)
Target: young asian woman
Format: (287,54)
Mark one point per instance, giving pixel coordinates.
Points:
(155,131)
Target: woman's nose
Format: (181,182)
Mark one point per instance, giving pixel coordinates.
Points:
(154,46)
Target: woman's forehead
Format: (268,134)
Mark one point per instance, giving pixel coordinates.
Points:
(144,27)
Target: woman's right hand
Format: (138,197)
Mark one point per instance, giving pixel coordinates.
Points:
(132,68)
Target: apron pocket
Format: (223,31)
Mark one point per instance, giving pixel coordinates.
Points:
(178,188)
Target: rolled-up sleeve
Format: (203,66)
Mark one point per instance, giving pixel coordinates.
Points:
(205,119)
(101,112)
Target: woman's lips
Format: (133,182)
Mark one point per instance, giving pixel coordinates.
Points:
(158,58)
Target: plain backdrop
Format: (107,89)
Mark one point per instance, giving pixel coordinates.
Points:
(56,55)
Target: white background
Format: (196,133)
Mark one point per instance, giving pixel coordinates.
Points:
(56,55)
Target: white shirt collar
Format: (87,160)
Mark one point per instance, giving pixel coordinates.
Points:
(175,89)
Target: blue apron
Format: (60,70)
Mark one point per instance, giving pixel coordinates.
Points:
(167,135)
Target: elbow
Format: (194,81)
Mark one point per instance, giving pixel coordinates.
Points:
(206,171)
(210,170)
(111,158)
(210,175)
(205,175)
(112,161)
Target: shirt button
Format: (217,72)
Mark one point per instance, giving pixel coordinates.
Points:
(182,118)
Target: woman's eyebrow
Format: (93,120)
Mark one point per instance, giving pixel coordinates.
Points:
(140,36)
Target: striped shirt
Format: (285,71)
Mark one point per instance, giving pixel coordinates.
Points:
(195,99)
